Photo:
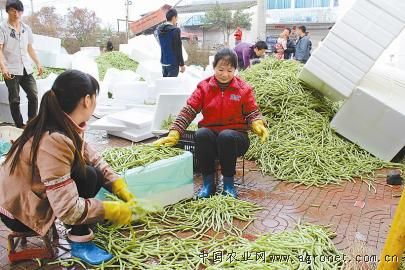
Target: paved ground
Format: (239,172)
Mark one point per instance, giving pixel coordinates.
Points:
(355,213)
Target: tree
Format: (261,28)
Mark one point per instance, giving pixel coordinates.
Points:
(83,25)
(46,22)
(226,20)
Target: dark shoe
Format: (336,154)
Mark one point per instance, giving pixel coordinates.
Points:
(229,188)
(89,253)
(208,187)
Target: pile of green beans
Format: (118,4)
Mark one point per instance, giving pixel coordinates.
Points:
(303,148)
(124,158)
(114,59)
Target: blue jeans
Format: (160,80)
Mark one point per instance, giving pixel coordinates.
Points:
(170,71)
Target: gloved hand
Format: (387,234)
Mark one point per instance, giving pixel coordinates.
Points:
(120,188)
(259,129)
(171,140)
(117,212)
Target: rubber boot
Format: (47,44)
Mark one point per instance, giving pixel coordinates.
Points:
(208,187)
(89,252)
(229,188)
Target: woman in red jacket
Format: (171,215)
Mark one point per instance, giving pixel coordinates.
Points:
(229,110)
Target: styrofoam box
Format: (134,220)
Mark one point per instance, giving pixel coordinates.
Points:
(135,92)
(342,48)
(125,48)
(54,60)
(340,64)
(394,7)
(5,114)
(4,94)
(357,39)
(106,124)
(150,71)
(325,79)
(134,135)
(45,43)
(376,14)
(366,26)
(163,182)
(374,120)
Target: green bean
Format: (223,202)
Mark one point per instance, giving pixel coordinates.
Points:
(116,60)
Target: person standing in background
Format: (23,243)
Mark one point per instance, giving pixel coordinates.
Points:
(293,34)
(171,46)
(15,46)
(238,36)
(302,49)
(289,52)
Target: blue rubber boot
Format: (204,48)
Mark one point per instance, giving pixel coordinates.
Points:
(229,188)
(89,253)
(208,187)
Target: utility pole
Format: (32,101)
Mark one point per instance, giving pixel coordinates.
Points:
(32,7)
(261,20)
(127,3)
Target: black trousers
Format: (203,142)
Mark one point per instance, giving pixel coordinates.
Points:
(29,85)
(87,185)
(225,146)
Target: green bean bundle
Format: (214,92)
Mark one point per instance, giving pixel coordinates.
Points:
(124,158)
(302,147)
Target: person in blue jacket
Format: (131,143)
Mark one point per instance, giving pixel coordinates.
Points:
(170,44)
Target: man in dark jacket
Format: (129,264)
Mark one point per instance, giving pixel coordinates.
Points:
(170,45)
(303,47)
(289,52)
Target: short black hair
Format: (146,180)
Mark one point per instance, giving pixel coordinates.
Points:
(289,29)
(302,28)
(170,14)
(16,4)
(228,56)
(260,45)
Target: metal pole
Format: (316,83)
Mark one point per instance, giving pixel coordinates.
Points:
(126,20)
(32,7)
(261,20)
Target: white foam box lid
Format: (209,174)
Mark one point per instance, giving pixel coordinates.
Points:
(139,118)
(353,55)
(135,91)
(132,135)
(374,120)
(104,123)
(379,16)
(333,85)
(358,40)
(394,7)
(167,104)
(385,78)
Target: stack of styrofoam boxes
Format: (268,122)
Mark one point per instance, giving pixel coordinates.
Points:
(373,117)
(133,124)
(352,46)
(49,52)
(164,182)
(91,52)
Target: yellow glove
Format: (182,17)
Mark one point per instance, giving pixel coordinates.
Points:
(261,131)
(171,140)
(117,212)
(120,188)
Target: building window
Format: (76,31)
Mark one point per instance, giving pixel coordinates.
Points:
(335,3)
(312,3)
(278,4)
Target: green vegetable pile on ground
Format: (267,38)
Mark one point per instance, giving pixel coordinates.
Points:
(302,147)
(114,59)
(167,241)
(45,73)
(125,158)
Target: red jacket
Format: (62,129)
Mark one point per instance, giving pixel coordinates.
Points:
(233,108)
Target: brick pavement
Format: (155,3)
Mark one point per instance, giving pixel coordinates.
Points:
(285,206)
